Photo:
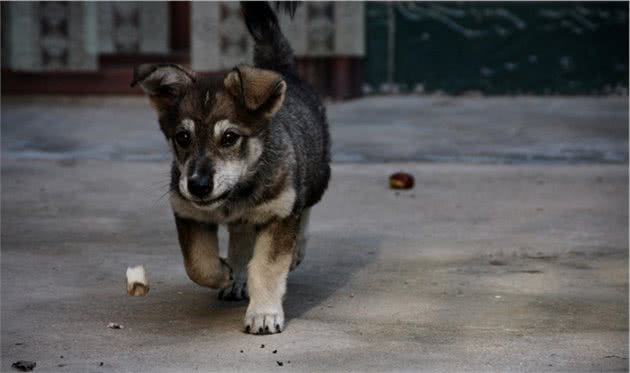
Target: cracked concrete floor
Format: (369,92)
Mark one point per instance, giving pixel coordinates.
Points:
(479,268)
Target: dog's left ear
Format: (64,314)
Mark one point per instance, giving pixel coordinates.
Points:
(259,91)
(163,83)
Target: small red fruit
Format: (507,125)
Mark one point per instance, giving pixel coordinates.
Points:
(401,180)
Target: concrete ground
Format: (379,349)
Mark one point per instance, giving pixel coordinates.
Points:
(376,129)
(510,256)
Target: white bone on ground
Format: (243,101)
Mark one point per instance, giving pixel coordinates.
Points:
(137,282)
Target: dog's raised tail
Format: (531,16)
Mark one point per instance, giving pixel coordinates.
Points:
(271,50)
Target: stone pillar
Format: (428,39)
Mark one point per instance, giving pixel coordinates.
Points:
(350,29)
(219,38)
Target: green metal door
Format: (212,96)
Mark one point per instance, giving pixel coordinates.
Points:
(497,48)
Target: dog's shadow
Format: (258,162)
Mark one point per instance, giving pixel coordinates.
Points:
(331,262)
(329,265)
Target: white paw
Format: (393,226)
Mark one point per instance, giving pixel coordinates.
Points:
(268,319)
(236,291)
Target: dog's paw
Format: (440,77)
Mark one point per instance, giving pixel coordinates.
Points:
(236,291)
(226,277)
(264,320)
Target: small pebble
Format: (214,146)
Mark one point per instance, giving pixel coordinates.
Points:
(274,351)
(262,346)
(100,364)
(279,363)
(113,325)
(241,351)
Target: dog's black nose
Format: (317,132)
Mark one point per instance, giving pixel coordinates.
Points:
(200,186)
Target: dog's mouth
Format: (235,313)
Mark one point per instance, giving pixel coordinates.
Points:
(208,202)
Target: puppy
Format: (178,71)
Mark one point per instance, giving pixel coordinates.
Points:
(250,151)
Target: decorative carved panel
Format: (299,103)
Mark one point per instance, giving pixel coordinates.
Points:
(133,27)
(47,36)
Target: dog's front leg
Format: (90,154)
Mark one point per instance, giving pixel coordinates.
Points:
(242,241)
(200,249)
(268,271)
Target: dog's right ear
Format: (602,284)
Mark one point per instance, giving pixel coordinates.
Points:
(163,83)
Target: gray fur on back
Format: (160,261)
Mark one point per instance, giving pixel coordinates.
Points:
(301,122)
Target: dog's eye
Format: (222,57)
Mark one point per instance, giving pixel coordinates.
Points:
(182,139)
(229,139)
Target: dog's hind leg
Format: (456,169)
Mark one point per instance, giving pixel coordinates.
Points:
(241,246)
(200,249)
(302,239)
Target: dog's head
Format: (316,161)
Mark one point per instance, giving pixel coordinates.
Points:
(215,128)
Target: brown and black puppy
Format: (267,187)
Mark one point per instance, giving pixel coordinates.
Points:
(250,151)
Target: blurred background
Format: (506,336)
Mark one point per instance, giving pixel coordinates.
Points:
(345,49)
